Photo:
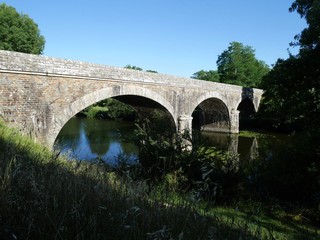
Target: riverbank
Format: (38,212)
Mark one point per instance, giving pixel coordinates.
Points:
(44,196)
(109,109)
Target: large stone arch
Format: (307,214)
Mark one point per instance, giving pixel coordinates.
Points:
(62,115)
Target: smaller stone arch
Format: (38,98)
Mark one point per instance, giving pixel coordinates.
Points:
(252,94)
(211,114)
(193,104)
(62,115)
(246,110)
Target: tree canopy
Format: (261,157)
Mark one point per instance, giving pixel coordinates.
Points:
(236,65)
(128,66)
(18,32)
(309,38)
(292,88)
(210,75)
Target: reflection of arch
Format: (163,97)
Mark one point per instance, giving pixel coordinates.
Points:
(63,115)
(212,114)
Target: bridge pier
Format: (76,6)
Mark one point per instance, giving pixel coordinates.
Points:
(185,129)
(185,124)
(234,121)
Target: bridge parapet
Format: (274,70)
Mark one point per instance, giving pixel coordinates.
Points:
(43,65)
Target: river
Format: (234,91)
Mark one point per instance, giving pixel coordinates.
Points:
(91,139)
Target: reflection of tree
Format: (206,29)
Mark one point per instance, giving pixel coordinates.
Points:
(86,138)
(97,135)
(219,140)
(101,134)
(69,134)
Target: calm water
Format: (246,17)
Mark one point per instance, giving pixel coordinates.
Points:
(91,139)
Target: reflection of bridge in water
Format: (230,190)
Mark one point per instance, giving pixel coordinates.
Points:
(245,147)
(40,94)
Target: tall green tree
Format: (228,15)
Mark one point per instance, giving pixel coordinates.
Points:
(309,38)
(18,32)
(238,65)
(292,88)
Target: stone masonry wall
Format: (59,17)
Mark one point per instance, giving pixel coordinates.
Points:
(39,94)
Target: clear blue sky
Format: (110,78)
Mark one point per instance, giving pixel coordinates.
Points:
(178,37)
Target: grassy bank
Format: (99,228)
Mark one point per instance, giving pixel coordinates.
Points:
(110,109)
(44,196)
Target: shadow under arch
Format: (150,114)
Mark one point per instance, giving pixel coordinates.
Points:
(246,108)
(62,116)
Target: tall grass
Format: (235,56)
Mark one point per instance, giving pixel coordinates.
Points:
(44,196)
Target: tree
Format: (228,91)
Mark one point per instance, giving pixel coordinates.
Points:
(18,32)
(151,71)
(210,75)
(310,10)
(238,65)
(138,68)
(133,67)
(292,87)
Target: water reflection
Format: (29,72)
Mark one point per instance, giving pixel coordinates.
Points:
(247,148)
(89,139)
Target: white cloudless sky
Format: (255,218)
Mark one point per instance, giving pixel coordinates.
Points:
(178,37)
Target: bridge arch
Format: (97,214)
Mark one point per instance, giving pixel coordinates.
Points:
(211,113)
(252,95)
(246,110)
(62,115)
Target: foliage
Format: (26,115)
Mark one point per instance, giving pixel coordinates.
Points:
(43,196)
(110,109)
(238,65)
(138,68)
(18,32)
(281,173)
(133,67)
(309,37)
(151,71)
(292,88)
(292,92)
(210,75)
(168,159)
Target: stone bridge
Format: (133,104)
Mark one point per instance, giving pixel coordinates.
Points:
(39,94)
